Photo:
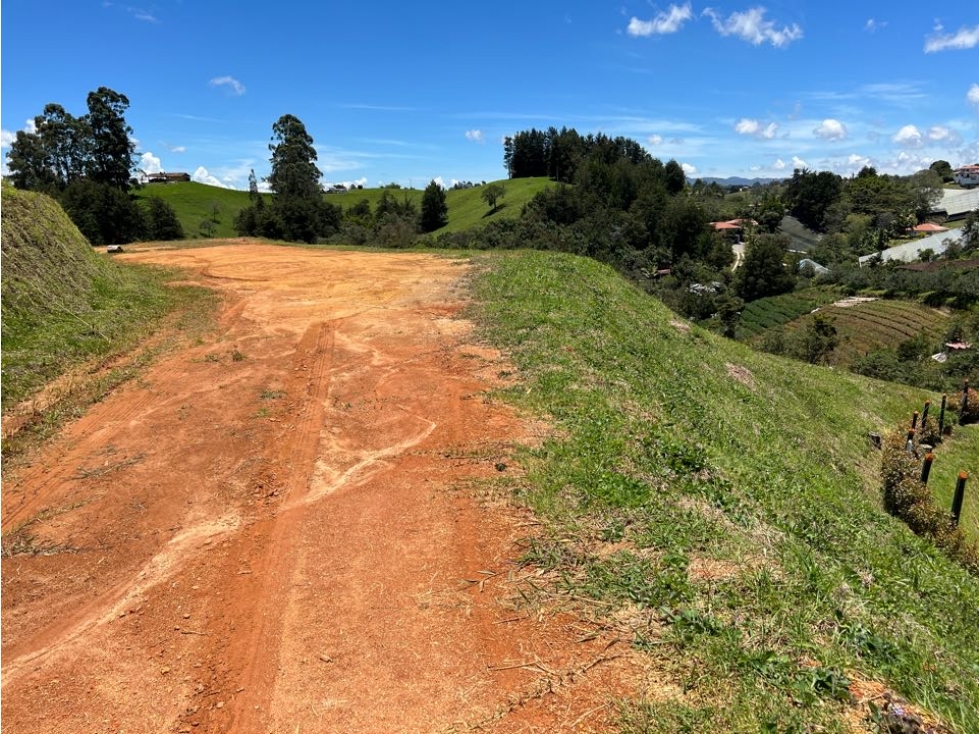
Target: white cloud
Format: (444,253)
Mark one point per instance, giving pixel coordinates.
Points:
(909,136)
(655,140)
(236,87)
(963,39)
(475,136)
(830,129)
(779,164)
(747,126)
(149,163)
(873,25)
(176,148)
(663,23)
(349,184)
(7,137)
(797,162)
(439,181)
(689,169)
(752,27)
(201,175)
(972,96)
(942,134)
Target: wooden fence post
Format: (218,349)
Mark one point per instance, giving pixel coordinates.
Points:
(959,496)
(941,418)
(914,420)
(924,413)
(926,467)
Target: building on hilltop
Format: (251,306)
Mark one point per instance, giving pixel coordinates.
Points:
(164,177)
(967,176)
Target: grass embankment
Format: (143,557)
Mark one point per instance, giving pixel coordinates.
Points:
(65,305)
(196,202)
(724,507)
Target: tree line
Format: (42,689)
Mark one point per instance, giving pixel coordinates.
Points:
(87,164)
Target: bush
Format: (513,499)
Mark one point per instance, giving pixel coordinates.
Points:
(909,499)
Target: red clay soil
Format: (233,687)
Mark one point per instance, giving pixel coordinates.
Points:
(279,529)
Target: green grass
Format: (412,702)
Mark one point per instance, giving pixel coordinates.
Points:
(882,324)
(766,313)
(959,453)
(64,305)
(663,462)
(193,203)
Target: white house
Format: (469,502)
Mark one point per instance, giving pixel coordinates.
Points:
(967,176)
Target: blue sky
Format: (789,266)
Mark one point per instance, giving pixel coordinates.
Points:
(409,91)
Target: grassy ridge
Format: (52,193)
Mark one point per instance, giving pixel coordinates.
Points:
(678,451)
(65,304)
(194,202)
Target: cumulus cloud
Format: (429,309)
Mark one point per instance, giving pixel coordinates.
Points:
(752,27)
(655,140)
(909,136)
(439,181)
(972,96)
(149,163)
(349,184)
(747,126)
(830,129)
(689,169)
(797,162)
(201,175)
(669,21)
(779,164)
(475,136)
(942,134)
(235,87)
(7,137)
(964,38)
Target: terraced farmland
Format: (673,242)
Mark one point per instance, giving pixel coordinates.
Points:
(767,313)
(878,324)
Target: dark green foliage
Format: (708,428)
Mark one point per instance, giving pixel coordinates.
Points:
(161,221)
(294,171)
(819,339)
(492,193)
(675,178)
(434,211)
(811,194)
(105,214)
(763,272)
(943,169)
(112,150)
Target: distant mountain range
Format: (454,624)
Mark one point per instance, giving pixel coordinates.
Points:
(734,180)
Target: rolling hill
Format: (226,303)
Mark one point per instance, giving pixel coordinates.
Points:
(196,202)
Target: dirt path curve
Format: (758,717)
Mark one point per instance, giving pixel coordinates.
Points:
(275,530)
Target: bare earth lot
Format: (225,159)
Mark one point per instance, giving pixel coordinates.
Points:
(278,530)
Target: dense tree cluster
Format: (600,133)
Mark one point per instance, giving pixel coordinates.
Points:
(298,211)
(86,163)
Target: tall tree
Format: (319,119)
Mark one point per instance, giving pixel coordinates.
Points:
(676,179)
(435,212)
(492,193)
(111,160)
(294,171)
(763,272)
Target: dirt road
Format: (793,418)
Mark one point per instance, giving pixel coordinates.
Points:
(280,529)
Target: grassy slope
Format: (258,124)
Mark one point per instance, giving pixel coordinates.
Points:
(664,464)
(65,304)
(193,201)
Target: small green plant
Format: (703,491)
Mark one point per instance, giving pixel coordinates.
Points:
(237,356)
(273,394)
